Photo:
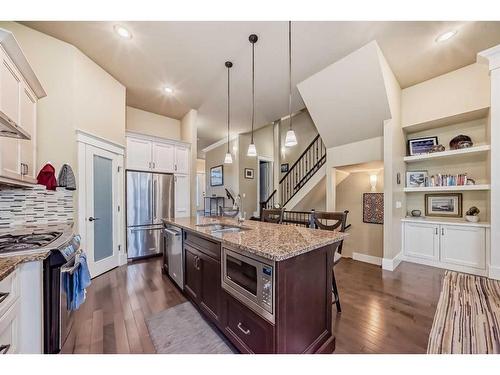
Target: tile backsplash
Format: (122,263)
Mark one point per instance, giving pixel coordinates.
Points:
(35,206)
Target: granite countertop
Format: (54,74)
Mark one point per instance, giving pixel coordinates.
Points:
(271,241)
(9,264)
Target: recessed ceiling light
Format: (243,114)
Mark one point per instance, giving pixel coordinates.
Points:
(123,32)
(168,90)
(446,36)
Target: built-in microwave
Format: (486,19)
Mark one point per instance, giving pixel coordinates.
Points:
(250,280)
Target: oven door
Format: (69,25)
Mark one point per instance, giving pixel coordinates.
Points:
(67,315)
(245,279)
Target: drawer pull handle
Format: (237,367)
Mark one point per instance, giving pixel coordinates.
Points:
(245,331)
(4,348)
(3,296)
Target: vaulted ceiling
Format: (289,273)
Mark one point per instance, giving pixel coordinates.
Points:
(190,56)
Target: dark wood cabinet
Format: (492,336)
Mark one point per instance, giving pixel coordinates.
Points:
(202,276)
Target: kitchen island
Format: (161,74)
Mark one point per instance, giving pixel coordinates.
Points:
(266,287)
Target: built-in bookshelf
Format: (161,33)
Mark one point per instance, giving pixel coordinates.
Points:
(472,162)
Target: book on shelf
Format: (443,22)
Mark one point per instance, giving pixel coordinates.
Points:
(446,180)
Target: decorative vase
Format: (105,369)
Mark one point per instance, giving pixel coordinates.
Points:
(471,218)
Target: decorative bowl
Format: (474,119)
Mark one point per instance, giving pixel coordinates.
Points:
(472,219)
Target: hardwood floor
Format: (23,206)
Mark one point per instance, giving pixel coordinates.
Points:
(382,312)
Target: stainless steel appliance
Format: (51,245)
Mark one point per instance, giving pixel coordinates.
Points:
(175,255)
(250,280)
(150,198)
(63,245)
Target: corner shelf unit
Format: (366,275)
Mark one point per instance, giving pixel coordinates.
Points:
(475,150)
(476,187)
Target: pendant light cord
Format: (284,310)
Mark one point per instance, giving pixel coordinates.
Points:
(228,107)
(253,88)
(290,72)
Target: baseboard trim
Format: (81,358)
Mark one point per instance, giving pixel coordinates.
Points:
(367,258)
(494,272)
(392,264)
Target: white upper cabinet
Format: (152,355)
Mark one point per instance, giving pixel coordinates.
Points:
(181,159)
(10,88)
(163,157)
(139,154)
(20,90)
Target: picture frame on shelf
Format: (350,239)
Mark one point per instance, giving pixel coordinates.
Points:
(443,205)
(416,178)
(421,146)
(249,173)
(217,175)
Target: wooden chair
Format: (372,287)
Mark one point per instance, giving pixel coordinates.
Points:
(228,211)
(274,215)
(321,221)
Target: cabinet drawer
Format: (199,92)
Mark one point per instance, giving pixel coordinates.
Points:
(9,330)
(206,246)
(9,291)
(249,331)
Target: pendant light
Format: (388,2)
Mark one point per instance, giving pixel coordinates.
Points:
(228,159)
(252,151)
(290,139)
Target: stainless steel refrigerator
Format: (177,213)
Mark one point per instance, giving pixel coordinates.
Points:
(150,198)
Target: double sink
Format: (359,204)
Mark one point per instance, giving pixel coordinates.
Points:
(223,228)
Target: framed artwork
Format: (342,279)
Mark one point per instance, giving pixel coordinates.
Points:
(420,146)
(217,175)
(284,168)
(373,208)
(443,204)
(415,178)
(249,173)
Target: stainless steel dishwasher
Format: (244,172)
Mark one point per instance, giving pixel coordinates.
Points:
(175,255)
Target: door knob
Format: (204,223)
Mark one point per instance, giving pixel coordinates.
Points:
(93,218)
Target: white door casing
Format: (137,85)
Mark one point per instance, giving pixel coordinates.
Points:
(90,149)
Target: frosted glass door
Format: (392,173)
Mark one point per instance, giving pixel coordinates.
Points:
(103,208)
(102,191)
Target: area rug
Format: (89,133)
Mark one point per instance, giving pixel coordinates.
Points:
(182,330)
(467,319)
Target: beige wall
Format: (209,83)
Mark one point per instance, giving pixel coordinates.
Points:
(305,131)
(189,133)
(364,238)
(99,101)
(314,199)
(148,123)
(216,157)
(463,90)
(200,165)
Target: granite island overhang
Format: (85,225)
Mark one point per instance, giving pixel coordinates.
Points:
(267,287)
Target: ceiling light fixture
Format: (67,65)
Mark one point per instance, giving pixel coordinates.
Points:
(123,32)
(168,90)
(446,36)
(252,151)
(228,159)
(290,139)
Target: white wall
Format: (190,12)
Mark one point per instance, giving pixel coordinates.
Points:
(148,123)
(189,133)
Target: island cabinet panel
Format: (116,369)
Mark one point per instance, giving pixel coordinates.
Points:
(304,303)
(202,275)
(245,329)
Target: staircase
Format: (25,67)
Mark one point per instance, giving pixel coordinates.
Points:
(309,162)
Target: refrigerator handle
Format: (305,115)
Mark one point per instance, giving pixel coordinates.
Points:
(155,203)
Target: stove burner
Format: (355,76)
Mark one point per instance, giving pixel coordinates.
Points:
(33,241)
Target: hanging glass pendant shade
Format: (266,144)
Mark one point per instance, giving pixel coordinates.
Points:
(228,159)
(290,138)
(252,150)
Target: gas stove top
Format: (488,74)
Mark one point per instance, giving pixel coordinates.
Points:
(26,242)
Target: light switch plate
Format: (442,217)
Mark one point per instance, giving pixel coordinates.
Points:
(398,204)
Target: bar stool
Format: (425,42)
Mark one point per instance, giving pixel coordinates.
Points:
(340,219)
(273,215)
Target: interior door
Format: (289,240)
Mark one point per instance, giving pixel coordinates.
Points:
(200,191)
(102,202)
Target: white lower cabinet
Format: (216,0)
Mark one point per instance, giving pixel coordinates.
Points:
(456,247)
(464,246)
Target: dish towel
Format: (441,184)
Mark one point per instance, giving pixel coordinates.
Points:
(47,177)
(66,178)
(76,283)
